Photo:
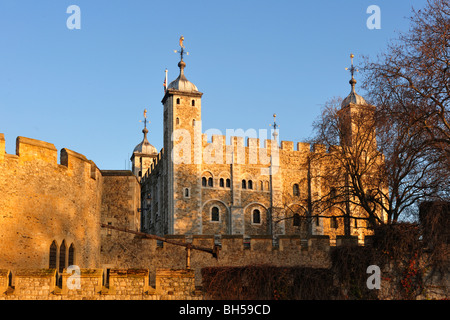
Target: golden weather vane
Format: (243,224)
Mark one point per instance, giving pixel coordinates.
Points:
(275,127)
(352,68)
(145,119)
(181,51)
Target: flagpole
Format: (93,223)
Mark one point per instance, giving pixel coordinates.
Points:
(165,82)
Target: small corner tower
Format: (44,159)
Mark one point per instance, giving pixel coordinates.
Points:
(143,153)
(356,115)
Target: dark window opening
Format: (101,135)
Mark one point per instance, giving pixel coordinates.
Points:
(244,184)
(334,223)
(62,256)
(204,182)
(210,182)
(71,255)
(214,214)
(228,183)
(256,216)
(296,221)
(221,183)
(295,190)
(52,256)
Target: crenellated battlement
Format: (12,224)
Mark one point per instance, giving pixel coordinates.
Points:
(32,150)
(96,284)
(223,149)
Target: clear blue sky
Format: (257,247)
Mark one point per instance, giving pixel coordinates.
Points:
(86,89)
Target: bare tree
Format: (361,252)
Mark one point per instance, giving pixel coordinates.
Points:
(410,81)
(377,168)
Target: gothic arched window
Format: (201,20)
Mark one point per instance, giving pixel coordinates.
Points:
(71,261)
(210,182)
(244,184)
(250,184)
(53,255)
(203,182)
(221,183)
(62,256)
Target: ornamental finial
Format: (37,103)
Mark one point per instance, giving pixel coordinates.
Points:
(352,70)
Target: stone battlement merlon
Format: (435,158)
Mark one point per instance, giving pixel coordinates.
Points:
(239,141)
(94,283)
(28,149)
(219,151)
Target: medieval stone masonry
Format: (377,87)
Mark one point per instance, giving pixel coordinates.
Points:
(250,198)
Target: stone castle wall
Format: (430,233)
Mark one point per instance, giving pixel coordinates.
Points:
(44,201)
(93,284)
(235,250)
(272,171)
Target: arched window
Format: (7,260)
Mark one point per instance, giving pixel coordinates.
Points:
(193,103)
(244,184)
(250,184)
(52,257)
(178,100)
(334,222)
(71,261)
(221,183)
(178,121)
(228,183)
(295,190)
(215,214)
(256,216)
(203,182)
(210,182)
(296,221)
(62,256)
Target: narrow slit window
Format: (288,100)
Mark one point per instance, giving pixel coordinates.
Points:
(295,190)
(52,256)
